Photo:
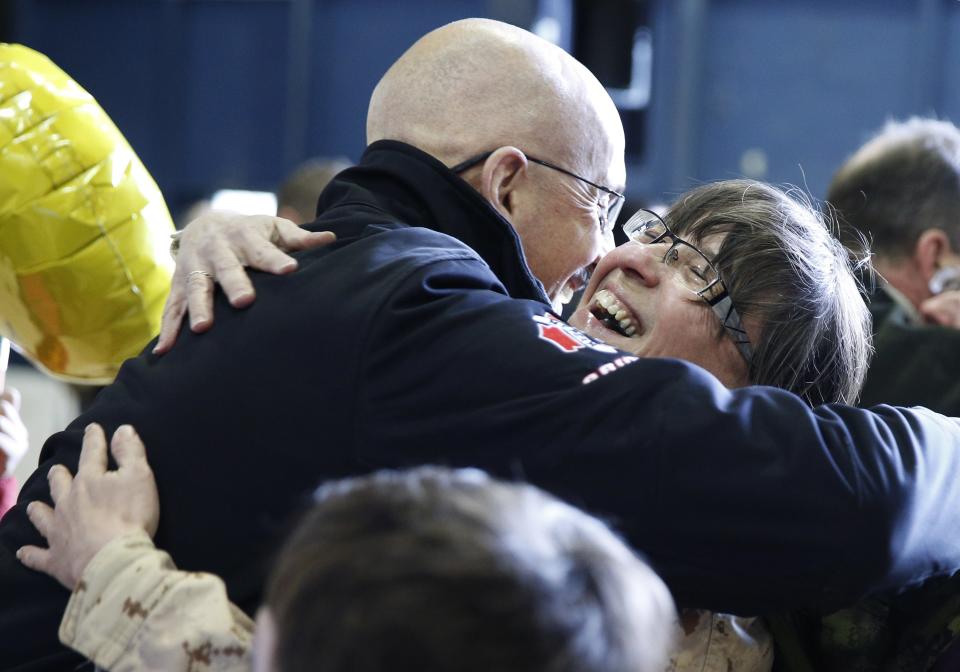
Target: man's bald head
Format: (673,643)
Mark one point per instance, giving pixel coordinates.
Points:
(477,84)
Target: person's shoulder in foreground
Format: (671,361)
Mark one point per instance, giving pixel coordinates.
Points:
(441,569)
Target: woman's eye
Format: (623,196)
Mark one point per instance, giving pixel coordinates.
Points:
(673,255)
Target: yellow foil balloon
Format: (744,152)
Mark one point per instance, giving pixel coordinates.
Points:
(84,231)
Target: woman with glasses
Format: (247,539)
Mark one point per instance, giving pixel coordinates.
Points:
(746,281)
(742,279)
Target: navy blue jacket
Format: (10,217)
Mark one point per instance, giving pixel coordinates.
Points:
(422,337)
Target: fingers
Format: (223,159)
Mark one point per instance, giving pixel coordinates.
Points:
(127,447)
(12,395)
(200,301)
(9,404)
(265,257)
(234,281)
(173,312)
(60,482)
(34,557)
(291,237)
(4,360)
(223,243)
(41,516)
(942,309)
(11,450)
(938,317)
(93,454)
(14,440)
(261,253)
(10,423)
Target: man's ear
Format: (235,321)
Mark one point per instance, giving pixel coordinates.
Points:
(504,171)
(931,252)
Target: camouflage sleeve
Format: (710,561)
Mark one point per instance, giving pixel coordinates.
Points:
(714,642)
(134,610)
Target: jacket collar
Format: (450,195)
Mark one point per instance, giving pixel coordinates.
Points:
(909,310)
(419,190)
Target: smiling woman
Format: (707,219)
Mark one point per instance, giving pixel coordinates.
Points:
(743,279)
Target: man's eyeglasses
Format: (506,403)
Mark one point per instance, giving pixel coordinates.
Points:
(609,209)
(695,271)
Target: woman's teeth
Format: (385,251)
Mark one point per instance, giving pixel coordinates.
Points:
(616,316)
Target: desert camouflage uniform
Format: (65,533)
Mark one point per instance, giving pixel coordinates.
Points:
(133,610)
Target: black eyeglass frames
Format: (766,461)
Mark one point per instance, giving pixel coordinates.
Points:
(695,270)
(608,215)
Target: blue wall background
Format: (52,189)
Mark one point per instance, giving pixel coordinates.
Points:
(233,93)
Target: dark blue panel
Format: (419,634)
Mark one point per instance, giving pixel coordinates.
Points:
(196,87)
(111,49)
(234,92)
(951,60)
(801,82)
(355,44)
(200,88)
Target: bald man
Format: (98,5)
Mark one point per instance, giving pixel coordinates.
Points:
(425,335)
(458,94)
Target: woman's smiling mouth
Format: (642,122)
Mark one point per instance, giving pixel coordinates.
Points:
(616,317)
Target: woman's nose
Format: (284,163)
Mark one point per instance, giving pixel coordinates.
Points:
(644,262)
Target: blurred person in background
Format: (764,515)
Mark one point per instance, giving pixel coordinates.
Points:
(297,196)
(901,192)
(430,569)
